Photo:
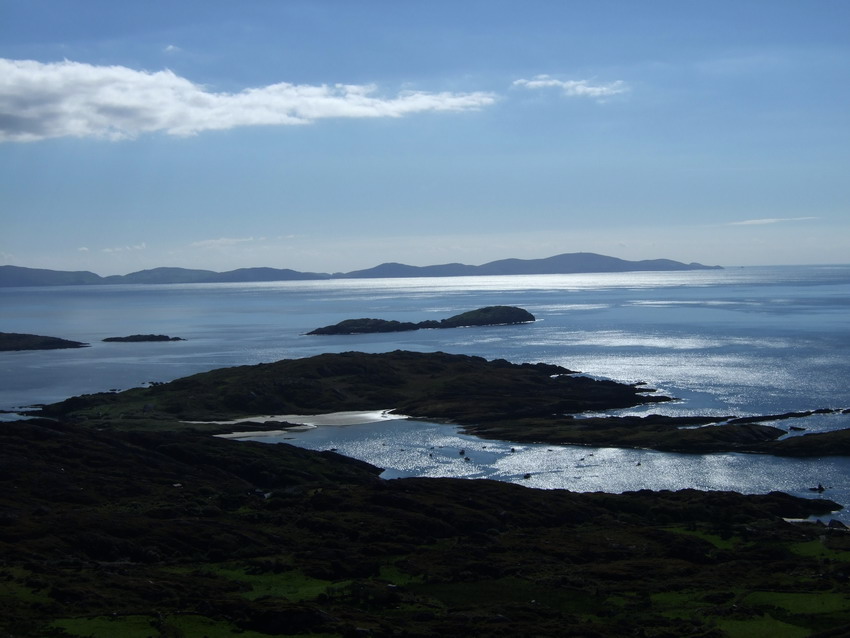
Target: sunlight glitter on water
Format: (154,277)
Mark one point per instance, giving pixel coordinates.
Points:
(740,341)
(417,448)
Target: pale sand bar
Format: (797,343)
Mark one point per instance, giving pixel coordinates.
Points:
(306,421)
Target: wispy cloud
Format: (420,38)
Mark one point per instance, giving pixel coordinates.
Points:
(222,242)
(73,99)
(770,220)
(124,249)
(574,88)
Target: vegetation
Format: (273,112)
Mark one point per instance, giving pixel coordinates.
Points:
(138,533)
(118,517)
(492,399)
(489,316)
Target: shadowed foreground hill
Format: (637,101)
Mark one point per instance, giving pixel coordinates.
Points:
(110,533)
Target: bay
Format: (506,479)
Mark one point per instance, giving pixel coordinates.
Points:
(737,341)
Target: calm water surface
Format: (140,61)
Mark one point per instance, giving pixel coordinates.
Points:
(735,341)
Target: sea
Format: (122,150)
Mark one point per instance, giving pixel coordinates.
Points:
(737,341)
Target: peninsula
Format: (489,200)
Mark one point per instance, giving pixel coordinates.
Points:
(489,316)
(491,399)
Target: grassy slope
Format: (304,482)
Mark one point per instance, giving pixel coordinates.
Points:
(176,534)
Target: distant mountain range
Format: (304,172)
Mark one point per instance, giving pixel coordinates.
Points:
(16,276)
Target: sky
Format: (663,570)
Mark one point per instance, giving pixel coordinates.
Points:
(334,135)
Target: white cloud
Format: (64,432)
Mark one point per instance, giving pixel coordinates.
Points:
(574,88)
(124,249)
(770,220)
(222,242)
(83,249)
(73,99)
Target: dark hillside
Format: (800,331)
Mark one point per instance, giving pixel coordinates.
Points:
(179,534)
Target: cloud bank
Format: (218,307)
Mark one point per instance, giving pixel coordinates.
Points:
(574,88)
(72,99)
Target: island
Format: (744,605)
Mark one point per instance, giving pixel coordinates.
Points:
(142,338)
(118,517)
(488,316)
(10,341)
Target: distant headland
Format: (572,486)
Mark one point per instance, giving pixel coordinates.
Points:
(11,341)
(567,263)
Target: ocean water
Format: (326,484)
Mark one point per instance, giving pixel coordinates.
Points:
(736,341)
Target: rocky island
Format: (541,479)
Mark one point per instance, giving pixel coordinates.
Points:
(10,341)
(489,316)
(142,338)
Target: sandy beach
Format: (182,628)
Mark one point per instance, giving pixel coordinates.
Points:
(305,421)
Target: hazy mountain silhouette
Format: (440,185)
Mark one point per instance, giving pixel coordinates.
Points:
(559,264)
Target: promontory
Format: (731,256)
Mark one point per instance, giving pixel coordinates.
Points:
(492,399)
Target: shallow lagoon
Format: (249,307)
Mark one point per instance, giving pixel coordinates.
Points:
(418,448)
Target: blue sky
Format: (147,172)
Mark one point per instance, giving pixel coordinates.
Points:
(332,135)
